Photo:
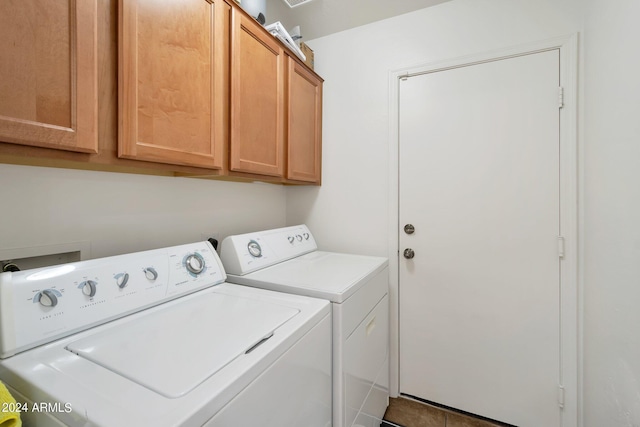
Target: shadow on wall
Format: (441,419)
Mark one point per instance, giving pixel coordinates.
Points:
(300,204)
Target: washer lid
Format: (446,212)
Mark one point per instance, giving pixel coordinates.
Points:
(327,275)
(174,349)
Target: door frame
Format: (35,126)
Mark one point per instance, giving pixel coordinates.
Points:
(570,268)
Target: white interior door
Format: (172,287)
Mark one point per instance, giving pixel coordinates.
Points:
(479,305)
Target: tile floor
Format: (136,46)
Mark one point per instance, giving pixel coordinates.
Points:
(410,413)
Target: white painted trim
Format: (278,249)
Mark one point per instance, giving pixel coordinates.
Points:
(569,185)
(570,309)
(394,226)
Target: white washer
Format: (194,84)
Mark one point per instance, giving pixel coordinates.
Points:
(145,339)
(287,260)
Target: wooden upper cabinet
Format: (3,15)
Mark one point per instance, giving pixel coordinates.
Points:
(257,99)
(173,81)
(304,124)
(48,74)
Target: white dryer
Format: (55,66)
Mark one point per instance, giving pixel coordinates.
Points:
(146,339)
(287,260)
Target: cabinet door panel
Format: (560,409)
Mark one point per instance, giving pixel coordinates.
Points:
(48,74)
(304,124)
(257,97)
(171,81)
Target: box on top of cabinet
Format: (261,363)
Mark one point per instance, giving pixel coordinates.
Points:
(308,53)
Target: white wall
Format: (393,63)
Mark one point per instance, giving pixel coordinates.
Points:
(612,214)
(349,211)
(119,213)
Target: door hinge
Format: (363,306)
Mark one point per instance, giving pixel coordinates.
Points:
(560,247)
(560,97)
(561,396)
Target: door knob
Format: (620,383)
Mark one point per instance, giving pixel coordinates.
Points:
(409,229)
(409,253)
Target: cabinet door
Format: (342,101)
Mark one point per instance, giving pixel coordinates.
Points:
(257,99)
(48,74)
(171,82)
(304,124)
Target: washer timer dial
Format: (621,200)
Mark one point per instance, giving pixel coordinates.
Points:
(194,263)
(254,249)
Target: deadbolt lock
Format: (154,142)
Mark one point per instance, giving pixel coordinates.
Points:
(409,229)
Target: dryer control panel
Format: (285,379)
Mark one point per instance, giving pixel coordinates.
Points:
(41,305)
(244,253)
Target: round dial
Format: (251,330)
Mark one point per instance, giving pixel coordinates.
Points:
(89,288)
(48,298)
(122,279)
(195,263)
(254,249)
(151,273)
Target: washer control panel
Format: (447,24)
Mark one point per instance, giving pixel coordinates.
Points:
(244,253)
(41,305)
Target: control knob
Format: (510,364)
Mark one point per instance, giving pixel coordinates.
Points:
(195,263)
(254,249)
(88,288)
(150,273)
(122,279)
(47,298)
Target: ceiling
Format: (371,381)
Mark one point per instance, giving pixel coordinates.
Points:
(319,18)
